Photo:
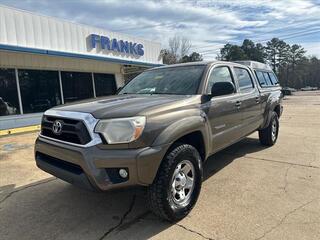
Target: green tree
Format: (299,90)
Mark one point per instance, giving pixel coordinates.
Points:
(289,62)
(232,52)
(277,53)
(296,54)
(247,51)
(193,57)
(254,52)
(259,53)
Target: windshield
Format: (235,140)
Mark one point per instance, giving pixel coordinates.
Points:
(174,80)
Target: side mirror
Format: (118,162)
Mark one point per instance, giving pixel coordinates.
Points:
(222,88)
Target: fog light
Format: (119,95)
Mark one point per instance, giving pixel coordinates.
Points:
(123,173)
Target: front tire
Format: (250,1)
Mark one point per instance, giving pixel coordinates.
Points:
(177,185)
(269,135)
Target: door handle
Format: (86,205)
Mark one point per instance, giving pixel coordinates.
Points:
(238,104)
(257,99)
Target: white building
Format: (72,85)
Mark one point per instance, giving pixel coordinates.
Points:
(46,61)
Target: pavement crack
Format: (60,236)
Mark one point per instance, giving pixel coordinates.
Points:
(193,231)
(276,161)
(284,218)
(286,179)
(121,220)
(133,221)
(24,188)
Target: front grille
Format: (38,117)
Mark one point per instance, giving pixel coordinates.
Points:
(73,131)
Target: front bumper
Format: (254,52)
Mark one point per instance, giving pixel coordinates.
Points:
(97,169)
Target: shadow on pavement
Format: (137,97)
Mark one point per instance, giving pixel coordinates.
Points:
(52,209)
(221,159)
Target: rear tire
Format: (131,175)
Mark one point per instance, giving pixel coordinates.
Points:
(269,135)
(177,185)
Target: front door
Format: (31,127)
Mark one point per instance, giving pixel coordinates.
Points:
(224,112)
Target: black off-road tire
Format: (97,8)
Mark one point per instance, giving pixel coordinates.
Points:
(266,135)
(159,192)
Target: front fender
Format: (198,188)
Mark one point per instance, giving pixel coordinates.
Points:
(183,127)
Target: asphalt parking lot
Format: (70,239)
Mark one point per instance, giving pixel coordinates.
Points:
(250,192)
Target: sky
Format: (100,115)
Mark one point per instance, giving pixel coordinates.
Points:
(208,24)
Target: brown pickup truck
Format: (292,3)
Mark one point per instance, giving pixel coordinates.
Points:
(159,129)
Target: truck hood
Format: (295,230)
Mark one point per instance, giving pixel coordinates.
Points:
(118,106)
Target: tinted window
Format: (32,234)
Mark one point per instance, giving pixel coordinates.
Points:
(40,90)
(9,103)
(244,79)
(273,78)
(171,80)
(76,86)
(261,79)
(268,80)
(105,84)
(219,74)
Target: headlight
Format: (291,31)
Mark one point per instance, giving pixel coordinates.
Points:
(121,130)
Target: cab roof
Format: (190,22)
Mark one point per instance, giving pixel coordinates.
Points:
(200,63)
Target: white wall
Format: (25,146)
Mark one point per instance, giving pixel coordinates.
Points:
(24,29)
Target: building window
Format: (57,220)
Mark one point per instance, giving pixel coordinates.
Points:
(76,86)
(40,90)
(9,103)
(105,84)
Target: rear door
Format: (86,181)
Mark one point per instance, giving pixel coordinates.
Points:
(224,112)
(252,116)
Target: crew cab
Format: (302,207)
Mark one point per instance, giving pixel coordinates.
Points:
(159,130)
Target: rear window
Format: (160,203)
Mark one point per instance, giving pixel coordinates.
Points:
(244,79)
(266,79)
(261,79)
(273,78)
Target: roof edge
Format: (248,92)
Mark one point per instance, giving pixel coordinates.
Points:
(75,55)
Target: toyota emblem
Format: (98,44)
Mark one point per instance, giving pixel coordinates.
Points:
(57,127)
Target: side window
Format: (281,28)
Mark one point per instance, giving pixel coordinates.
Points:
(268,80)
(218,74)
(261,79)
(244,79)
(273,78)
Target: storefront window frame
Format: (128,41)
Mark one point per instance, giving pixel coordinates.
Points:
(23,94)
(16,71)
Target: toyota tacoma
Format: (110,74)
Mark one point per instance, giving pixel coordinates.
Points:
(159,130)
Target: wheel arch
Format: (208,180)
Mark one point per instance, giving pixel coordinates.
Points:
(275,107)
(195,139)
(192,130)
